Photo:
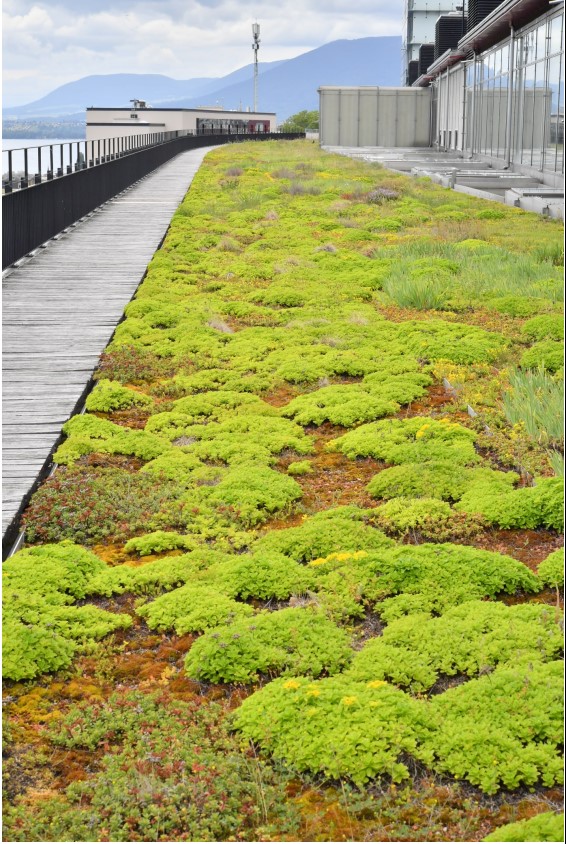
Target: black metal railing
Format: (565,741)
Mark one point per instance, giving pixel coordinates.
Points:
(27,166)
(96,171)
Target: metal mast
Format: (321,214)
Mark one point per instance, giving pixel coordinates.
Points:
(255,48)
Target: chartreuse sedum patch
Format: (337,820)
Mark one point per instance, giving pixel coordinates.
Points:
(419,439)
(447,480)
(341,529)
(470,639)
(42,626)
(111,395)
(548,826)
(435,577)
(87,434)
(192,609)
(337,726)
(551,570)
(294,640)
(376,396)
(540,505)
(501,730)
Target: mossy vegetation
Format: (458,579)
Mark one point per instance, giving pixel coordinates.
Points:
(273,478)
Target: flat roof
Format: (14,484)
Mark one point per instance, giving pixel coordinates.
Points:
(400,88)
(164,108)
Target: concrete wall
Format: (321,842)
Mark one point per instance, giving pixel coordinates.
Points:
(123,122)
(378,117)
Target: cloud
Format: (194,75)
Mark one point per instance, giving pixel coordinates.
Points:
(49,42)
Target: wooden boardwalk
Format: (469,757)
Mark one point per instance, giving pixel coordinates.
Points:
(60,310)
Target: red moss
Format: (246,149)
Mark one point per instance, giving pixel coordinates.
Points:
(529,546)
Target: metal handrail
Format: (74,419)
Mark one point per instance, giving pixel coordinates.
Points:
(71,156)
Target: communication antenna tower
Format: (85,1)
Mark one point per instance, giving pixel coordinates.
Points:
(255,48)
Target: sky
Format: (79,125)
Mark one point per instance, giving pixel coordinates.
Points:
(49,43)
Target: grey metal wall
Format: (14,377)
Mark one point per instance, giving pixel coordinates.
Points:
(377,117)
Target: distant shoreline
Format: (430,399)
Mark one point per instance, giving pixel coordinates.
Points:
(42,129)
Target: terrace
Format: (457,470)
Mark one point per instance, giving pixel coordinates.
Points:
(298,574)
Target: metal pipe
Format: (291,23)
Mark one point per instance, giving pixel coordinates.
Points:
(472,132)
(510,86)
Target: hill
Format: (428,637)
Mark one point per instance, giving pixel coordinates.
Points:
(292,86)
(285,86)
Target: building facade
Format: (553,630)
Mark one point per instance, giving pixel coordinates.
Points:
(497,95)
(143,120)
(500,95)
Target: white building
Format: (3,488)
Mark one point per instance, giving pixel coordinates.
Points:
(141,119)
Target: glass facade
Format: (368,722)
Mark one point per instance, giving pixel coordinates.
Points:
(529,95)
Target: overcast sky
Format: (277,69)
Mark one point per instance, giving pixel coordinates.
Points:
(50,42)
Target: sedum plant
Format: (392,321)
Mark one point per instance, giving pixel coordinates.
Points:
(547,826)
(424,518)
(293,640)
(183,778)
(551,570)
(435,577)
(528,507)
(336,727)
(546,354)
(471,639)
(419,439)
(111,395)
(192,609)
(337,530)
(503,730)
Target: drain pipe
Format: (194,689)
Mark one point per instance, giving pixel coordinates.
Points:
(472,132)
(510,91)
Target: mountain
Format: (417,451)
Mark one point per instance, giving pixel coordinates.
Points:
(117,89)
(292,86)
(285,87)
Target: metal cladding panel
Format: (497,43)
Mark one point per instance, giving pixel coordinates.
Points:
(382,117)
(349,114)
(369,118)
(387,126)
(330,117)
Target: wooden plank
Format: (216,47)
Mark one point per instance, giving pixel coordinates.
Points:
(61,308)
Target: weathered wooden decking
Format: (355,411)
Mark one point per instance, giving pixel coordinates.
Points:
(60,310)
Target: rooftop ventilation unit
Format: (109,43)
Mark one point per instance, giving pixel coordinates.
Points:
(426,57)
(413,73)
(449,29)
(480,9)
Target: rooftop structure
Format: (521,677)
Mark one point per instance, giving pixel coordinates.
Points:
(419,22)
(141,119)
